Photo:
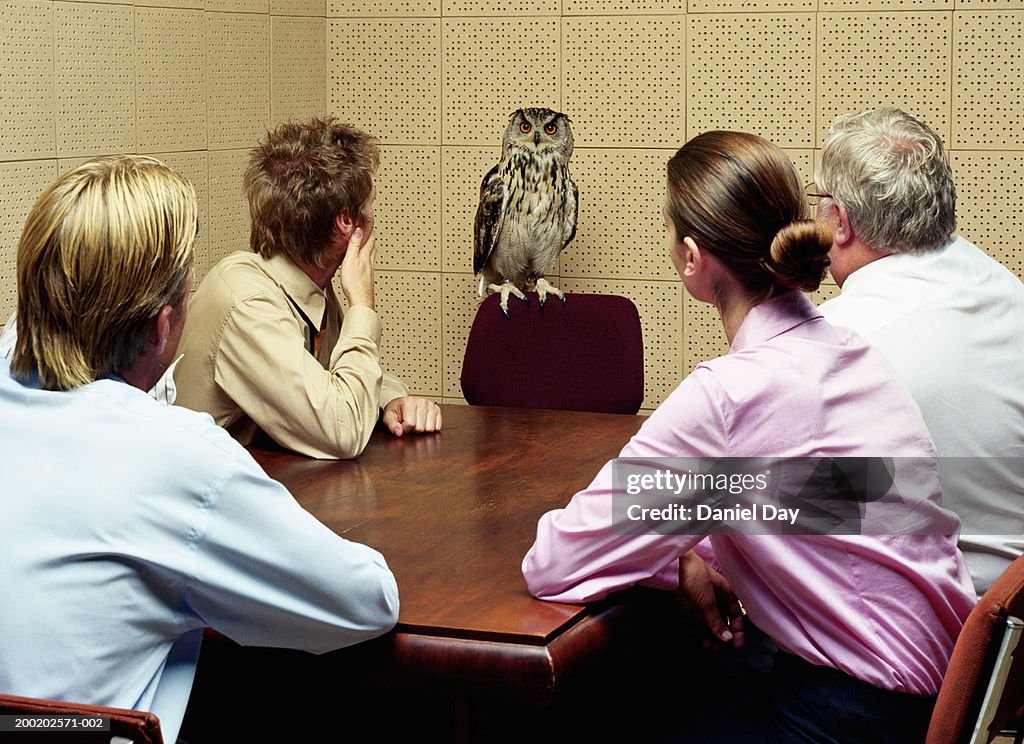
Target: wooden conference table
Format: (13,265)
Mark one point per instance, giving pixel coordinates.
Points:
(454,513)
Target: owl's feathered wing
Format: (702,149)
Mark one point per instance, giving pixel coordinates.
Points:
(574,218)
(489,214)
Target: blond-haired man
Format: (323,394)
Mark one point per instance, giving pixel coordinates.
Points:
(127,526)
(267,347)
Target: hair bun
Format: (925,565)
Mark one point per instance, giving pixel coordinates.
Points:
(798,257)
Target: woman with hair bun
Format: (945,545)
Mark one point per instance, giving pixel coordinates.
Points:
(864,621)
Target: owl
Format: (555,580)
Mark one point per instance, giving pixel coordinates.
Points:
(527,210)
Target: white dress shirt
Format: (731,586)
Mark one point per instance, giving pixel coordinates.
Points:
(951,323)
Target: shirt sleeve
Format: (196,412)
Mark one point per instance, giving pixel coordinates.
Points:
(391,388)
(268,573)
(579,556)
(263,365)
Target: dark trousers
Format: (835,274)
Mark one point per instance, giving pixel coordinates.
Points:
(823,705)
(800,703)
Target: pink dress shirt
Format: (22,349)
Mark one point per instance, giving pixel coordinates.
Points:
(885,609)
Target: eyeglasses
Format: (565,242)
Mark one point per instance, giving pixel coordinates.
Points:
(812,194)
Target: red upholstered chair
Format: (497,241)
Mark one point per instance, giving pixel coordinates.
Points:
(585,354)
(983,689)
(134,726)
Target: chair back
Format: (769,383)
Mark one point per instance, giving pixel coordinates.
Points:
(983,688)
(125,726)
(586,354)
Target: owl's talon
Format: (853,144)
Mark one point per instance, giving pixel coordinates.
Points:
(544,289)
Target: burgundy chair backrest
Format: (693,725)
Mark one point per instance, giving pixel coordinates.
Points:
(138,726)
(970,667)
(585,354)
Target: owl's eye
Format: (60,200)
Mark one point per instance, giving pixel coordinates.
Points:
(551,128)
(525,127)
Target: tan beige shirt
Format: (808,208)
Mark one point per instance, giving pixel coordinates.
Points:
(248,359)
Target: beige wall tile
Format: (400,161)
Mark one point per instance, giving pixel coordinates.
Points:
(845,5)
(229,210)
(754,73)
(620,232)
(825,292)
(384,8)
(988,66)
(751,6)
(409,303)
(315,8)
(622,7)
(803,162)
(462,172)
(408,209)
(385,77)
(23,183)
(298,68)
(990,203)
(867,60)
(95,69)
(171,79)
(183,4)
(238,6)
(82,79)
(987,4)
(517,8)
(27,126)
(493,67)
(623,80)
(238,78)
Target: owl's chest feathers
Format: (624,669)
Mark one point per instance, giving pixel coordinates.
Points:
(539,192)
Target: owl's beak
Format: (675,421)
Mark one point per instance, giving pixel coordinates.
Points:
(536,138)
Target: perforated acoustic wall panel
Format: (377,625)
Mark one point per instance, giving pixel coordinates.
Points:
(408,208)
(410,304)
(298,63)
(238,78)
(491,67)
(621,99)
(95,84)
(229,211)
(198,82)
(27,80)
(752,72)
(864,63)
(385,77)
(171,45)
(988,106)
(990,207)
(22,183)
(462,171)
(620,233)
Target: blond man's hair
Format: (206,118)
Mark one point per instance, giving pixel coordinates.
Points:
(105,247)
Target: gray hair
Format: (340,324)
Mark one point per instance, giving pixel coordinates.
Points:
(889,171)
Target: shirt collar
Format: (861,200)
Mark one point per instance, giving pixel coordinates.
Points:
(893,263)
(301,290)
(774,317)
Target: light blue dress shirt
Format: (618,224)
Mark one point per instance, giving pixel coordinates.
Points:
(126,527)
